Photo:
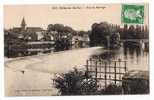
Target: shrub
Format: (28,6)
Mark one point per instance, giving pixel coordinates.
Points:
(112,89)
(75,83)
(136,82)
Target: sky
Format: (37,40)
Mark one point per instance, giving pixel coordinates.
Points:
(81,17)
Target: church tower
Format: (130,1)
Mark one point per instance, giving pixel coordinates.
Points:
(23,24)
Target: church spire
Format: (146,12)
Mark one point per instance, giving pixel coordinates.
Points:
(23,24)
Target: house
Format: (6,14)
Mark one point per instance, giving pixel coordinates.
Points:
(24,41)
(80,41)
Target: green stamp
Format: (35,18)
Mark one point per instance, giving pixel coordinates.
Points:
(133,14)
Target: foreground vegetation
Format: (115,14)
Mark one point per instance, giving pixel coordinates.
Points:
(79,83)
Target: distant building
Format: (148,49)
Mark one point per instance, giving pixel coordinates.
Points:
(20,29)
(80,41)
(27,33)
(24,41)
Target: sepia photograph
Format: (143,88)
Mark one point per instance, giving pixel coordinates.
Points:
(76,49)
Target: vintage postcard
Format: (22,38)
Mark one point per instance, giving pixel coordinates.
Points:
(76,49)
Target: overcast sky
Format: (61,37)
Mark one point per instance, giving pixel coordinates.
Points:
(78,19)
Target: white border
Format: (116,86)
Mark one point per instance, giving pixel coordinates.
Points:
(120,97)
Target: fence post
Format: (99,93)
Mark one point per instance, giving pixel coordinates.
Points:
(125,67)
(96,72)
(87,73)
(115,78)
(109,70)
(105,76)
(100,64)
(90,66)
(119,68)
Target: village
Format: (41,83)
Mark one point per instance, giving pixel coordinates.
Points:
(26,41)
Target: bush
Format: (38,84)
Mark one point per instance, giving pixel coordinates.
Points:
(75,83)
(136,82)
(112,89)
(136,86)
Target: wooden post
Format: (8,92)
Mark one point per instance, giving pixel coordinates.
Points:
(125,67)
(96,72)
(115,78)
(100,64)
(105,76)
(109,70)
(119,68)
(90,64)
(87,73)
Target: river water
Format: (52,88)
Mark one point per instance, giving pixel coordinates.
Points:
(39,70)
(136,58)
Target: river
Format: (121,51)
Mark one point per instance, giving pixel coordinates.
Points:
(39,70)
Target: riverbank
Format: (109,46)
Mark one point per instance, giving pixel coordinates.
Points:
(39,71)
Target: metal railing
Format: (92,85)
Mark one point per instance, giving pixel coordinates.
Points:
(106,71)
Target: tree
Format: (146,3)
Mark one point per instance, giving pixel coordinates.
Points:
(62,44)
(131,32)
(60,28)
(50,28)
(99,33)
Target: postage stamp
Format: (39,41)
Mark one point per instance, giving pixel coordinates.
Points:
(133,14)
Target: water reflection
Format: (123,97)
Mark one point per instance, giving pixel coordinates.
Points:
(136,57)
